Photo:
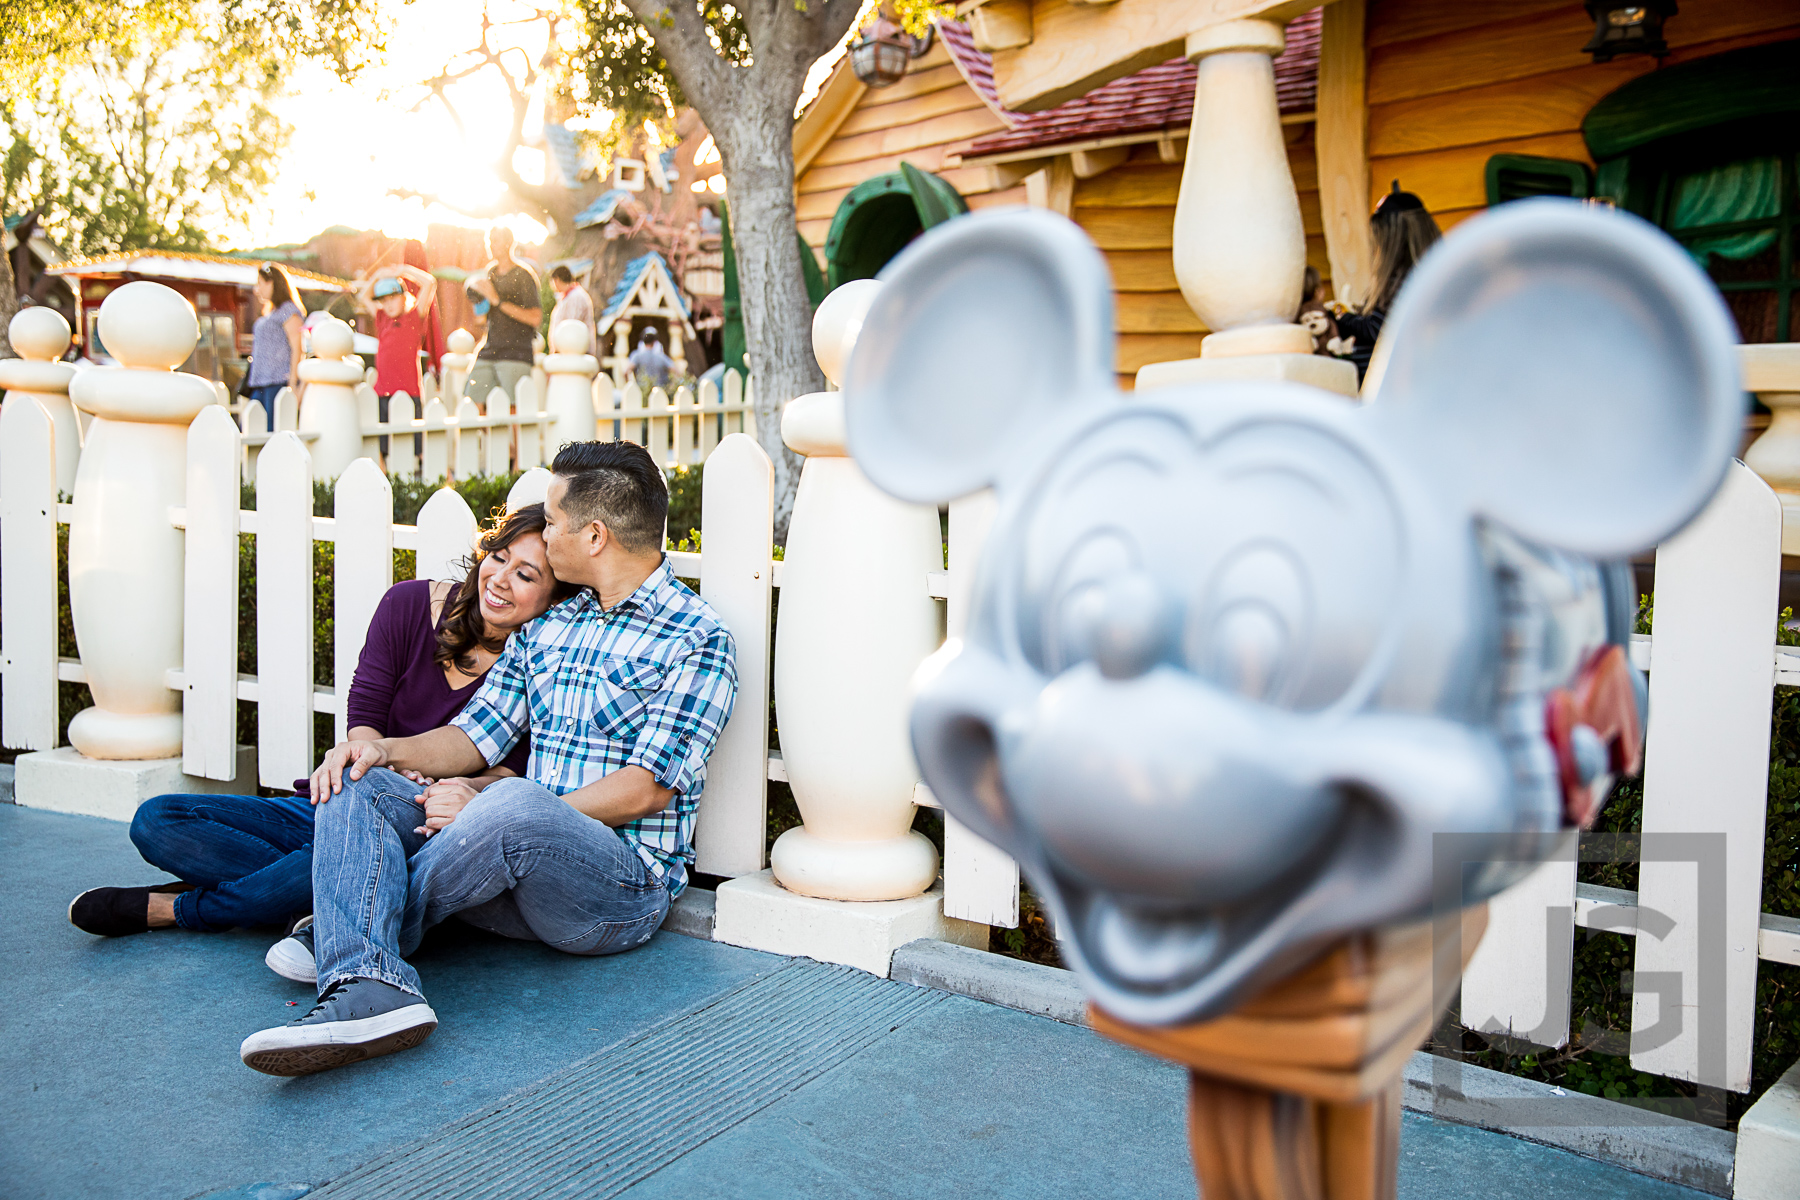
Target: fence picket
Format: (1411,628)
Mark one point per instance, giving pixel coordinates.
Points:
(529,488)
(733,402)
(446,535)
(28,606)
(403,449)
(287,411)
(284,612)
(498,441)
(605,401)
(435,464)
(209,639)
(531,435)
(658,443)
(1517,983)
(737,511)
(254,420)
(687,423)
(981,882)
(1706,772)
(710,418)
(468,439)
(631,408)
(368,412)
(363,568)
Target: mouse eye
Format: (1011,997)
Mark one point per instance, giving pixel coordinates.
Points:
(1245,634)
(1077,597)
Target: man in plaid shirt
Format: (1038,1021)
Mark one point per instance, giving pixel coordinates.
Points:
(624,689)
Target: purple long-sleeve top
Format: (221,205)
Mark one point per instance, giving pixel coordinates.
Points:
(398,689)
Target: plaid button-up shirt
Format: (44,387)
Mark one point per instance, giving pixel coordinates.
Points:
(648,683)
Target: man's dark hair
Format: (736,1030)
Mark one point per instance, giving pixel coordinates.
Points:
(563,275)
(618,485)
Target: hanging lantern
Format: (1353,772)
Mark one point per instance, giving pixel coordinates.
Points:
(1628,28)
(881,52)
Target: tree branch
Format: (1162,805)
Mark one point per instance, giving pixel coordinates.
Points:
(683,40)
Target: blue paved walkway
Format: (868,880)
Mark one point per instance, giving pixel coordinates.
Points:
(122,1080)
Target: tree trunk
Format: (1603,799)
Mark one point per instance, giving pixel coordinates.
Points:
(9,303)
(758,152)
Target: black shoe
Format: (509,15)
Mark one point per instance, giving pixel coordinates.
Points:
(353,1020)
(116,911)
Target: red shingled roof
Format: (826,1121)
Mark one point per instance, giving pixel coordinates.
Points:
(1153,99)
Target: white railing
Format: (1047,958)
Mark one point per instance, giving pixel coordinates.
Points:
(736,575)
(458,437)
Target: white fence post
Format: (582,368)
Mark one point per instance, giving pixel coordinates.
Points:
(737,506)
(28,700)
(531,435)
(435,464)
(631,409)
(255,420)
(209,641)
(403,451)
(499,437)
(981,882)
(658,427)
(287,411)
(529,488)
(1706,772)
(686,419)
(446,535)
(1517,983)
(468,439)
(710,418)
(284,612)
(368,412)
(734,400)
(363,569)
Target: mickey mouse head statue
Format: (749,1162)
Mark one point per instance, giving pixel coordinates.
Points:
(1239,650)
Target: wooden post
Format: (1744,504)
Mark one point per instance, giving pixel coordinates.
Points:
(1342,137)
(284,612)
(1296,1094)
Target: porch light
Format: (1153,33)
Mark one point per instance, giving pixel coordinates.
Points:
(1628,28)
(880,54)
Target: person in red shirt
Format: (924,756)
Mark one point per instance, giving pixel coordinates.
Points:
(399,332)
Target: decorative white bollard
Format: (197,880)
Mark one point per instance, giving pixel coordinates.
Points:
(329,407)
(125,558)
(1772,371)
(458,361)
(40,335)
(854,625)
(569,395)
(1240,244)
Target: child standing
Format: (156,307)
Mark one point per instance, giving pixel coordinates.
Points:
(399,332)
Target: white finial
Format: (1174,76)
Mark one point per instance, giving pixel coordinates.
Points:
(569,337)
(148,326)
(461,341)
(839,322)
(39,333)
(331,338)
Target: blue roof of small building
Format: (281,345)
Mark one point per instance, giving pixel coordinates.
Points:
(634,271)
(601,210)
(566,154)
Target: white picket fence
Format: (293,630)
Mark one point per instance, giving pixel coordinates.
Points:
(456,437)
(736,574)
(1697,917)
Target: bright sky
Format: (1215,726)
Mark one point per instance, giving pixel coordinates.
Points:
(354,144)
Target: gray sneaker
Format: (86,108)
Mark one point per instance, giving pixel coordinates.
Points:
(292,957)
(353,1020)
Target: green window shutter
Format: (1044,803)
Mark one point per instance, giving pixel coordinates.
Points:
(936,200)
(1522,176)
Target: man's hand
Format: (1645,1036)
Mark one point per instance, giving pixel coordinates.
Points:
(443,800)
(485,286)
(355,759)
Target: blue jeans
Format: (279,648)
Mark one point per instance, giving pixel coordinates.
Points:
(517,861)
(264,394)
(250,855)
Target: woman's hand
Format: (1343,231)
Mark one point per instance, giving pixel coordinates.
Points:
(443,800)
(416,777)
(354,759)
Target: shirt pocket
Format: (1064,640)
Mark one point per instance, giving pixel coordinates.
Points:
(621,691)
(545,666)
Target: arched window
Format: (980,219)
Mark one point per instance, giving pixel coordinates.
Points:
(881,215)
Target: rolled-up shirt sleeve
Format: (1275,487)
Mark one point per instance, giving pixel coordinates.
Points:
(499,714)
(683,720)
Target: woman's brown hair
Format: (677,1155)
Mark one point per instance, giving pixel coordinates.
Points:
(1403,233)
(280,290)
(462,628)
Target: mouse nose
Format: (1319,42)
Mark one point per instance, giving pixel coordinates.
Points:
(1136,626)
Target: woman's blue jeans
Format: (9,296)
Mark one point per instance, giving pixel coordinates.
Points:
(250,856)
(517,861)
(264,394)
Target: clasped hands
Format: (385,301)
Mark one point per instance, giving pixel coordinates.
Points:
(442,799)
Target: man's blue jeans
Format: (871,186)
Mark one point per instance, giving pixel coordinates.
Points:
(251,856)
(517,861)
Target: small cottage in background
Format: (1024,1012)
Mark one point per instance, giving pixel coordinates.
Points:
(646,299)
(219,288)
(32,254)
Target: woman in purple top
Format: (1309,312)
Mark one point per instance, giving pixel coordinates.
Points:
(247,860)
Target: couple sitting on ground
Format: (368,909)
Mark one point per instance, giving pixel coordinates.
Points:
(556,805)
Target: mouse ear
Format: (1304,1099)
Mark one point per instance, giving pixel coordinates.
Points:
(1569,372)
(982,326)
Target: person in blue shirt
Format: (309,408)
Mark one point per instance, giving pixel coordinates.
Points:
(623,689)
(649,365)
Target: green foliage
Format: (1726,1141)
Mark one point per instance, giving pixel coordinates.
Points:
(684,501)
(624,71)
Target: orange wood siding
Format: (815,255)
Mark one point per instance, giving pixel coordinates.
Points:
(1129,211)
(1451,85)
(930,113)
